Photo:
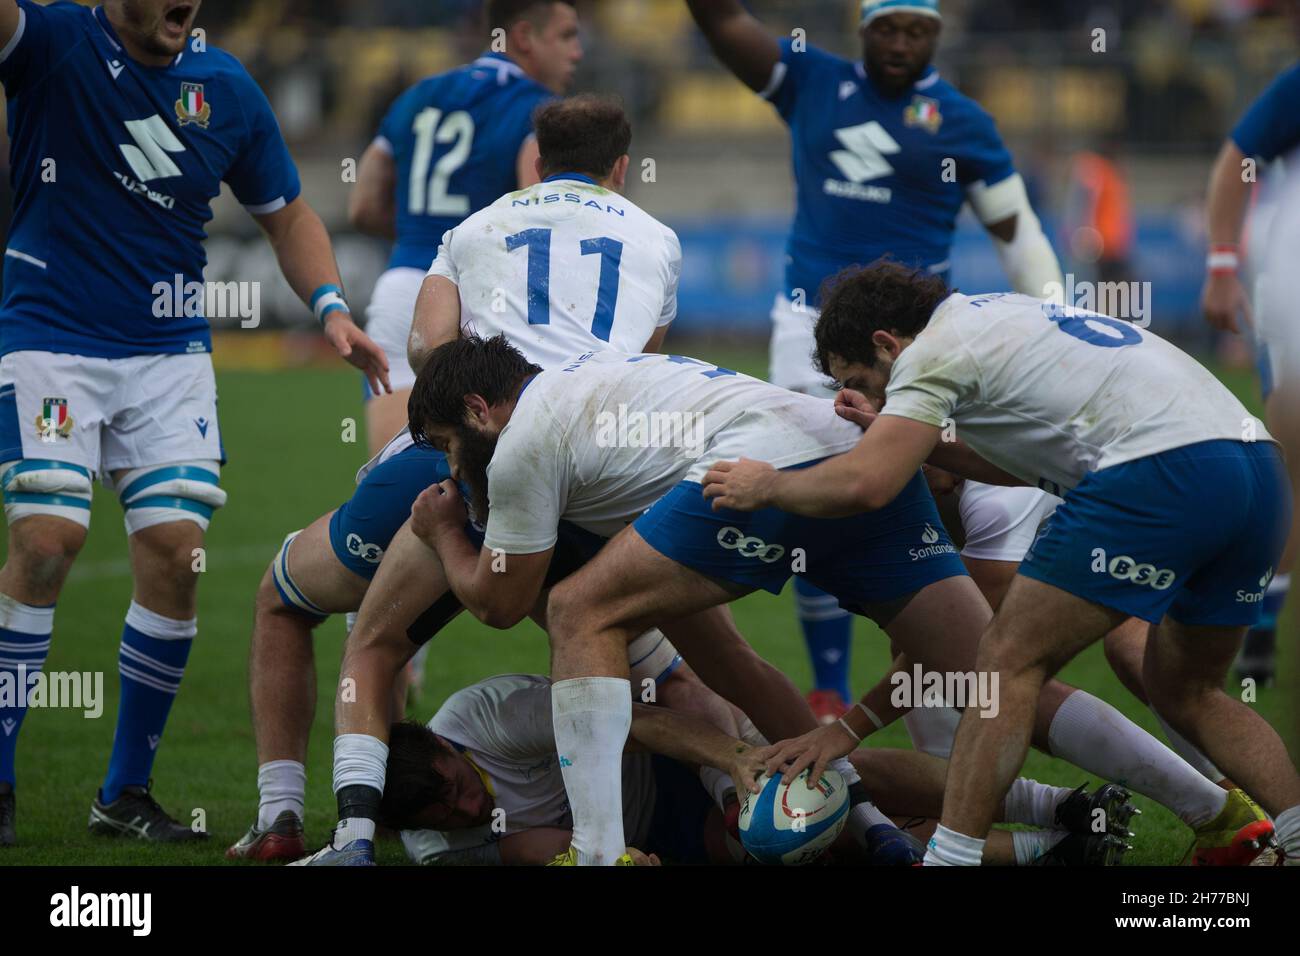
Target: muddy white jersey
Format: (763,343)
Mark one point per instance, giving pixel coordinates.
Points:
(598,440)
(560,268)
(1050,392)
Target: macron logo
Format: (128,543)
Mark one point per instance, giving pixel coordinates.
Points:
(115,67)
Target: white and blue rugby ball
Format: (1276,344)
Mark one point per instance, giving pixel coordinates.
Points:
(792,825)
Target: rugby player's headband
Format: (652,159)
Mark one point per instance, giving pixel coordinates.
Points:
(883,8)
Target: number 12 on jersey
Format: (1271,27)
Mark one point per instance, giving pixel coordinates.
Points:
(538,243)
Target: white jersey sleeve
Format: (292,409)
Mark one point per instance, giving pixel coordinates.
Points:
(507,717)
(444,264)
(529,479)
(672,281)
(932,377)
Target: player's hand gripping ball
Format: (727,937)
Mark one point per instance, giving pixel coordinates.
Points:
(791,825)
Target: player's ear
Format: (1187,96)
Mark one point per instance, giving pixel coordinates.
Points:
(886,344)
(618,176)
(476,409)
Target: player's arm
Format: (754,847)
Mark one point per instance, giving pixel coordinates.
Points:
(656,342)
(865,478)
(8,21)
(1026,254)
(436,321)
(683,737)
(1224,298)
(738,39)
(497,588)
(526,163)
(372,206)
(302,247)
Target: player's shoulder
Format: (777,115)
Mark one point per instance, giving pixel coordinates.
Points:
(214,63)
(797,53)
(957,107)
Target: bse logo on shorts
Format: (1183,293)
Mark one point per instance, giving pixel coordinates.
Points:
(749,547)
(53,422)
(370,553)
(1123,568)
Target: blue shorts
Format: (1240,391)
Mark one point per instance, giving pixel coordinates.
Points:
(1194,532)
(363,526)
(872,558)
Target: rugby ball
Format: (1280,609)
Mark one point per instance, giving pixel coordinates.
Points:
(792,825)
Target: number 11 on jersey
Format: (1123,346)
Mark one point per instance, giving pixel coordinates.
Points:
(538,243)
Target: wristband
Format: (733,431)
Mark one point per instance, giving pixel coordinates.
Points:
(1222,260)
(327,299)
(849,730)
(871,716)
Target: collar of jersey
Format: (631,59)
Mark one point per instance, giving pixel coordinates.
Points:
(526,384)
(578,176)
(500,61)
(102,19)
(460,749)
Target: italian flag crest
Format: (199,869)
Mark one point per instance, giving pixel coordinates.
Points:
(53,421)
(193,107)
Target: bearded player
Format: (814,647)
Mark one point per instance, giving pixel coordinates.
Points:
(885,154)
(122,133)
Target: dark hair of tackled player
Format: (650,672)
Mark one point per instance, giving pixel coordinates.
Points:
(411,782)
(491,368)
(503,14)
(587,134)
(884,296)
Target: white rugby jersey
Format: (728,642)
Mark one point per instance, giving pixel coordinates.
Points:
(503,725)
(562,267)
(600,439)
(1050,393)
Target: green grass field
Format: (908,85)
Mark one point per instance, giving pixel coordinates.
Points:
(288,465)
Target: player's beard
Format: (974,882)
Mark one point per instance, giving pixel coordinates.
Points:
(473,455)
(144,20)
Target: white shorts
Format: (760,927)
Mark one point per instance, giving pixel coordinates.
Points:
(108,414)
(388,320)
(1000,521)
(793,362)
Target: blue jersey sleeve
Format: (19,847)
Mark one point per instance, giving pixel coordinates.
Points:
(984,158)
(791,75)
(1271,126)
(263,176)
(28,54)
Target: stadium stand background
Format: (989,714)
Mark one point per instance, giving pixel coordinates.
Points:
(1156,102)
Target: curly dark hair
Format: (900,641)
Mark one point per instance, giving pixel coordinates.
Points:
(492,368)
(860,300)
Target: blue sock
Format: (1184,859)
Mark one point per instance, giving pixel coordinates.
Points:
(828,632)
(24,643)
(151,663)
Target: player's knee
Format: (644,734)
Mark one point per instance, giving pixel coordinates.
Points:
(1008,654)
(563,608)
(281,593)
(41,552)
(188,491)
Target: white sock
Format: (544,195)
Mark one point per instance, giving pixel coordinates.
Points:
(1096,737)
(1188,751)
(949,848)
(932,729)
(281,785)
(862,817)
(359,759)
(1031,844)
(1287,829)
(591,718)
(1029,801)
(750,735)
(718,784)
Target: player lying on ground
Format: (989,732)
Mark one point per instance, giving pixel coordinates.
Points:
(1169,515)
(104,349)
(572,460)
(449,146)
(885,154)
(481,784)
(327,567)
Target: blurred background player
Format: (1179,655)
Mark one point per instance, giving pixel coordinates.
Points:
(885,155)
(100,375)
(449,146)
(1266,134)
